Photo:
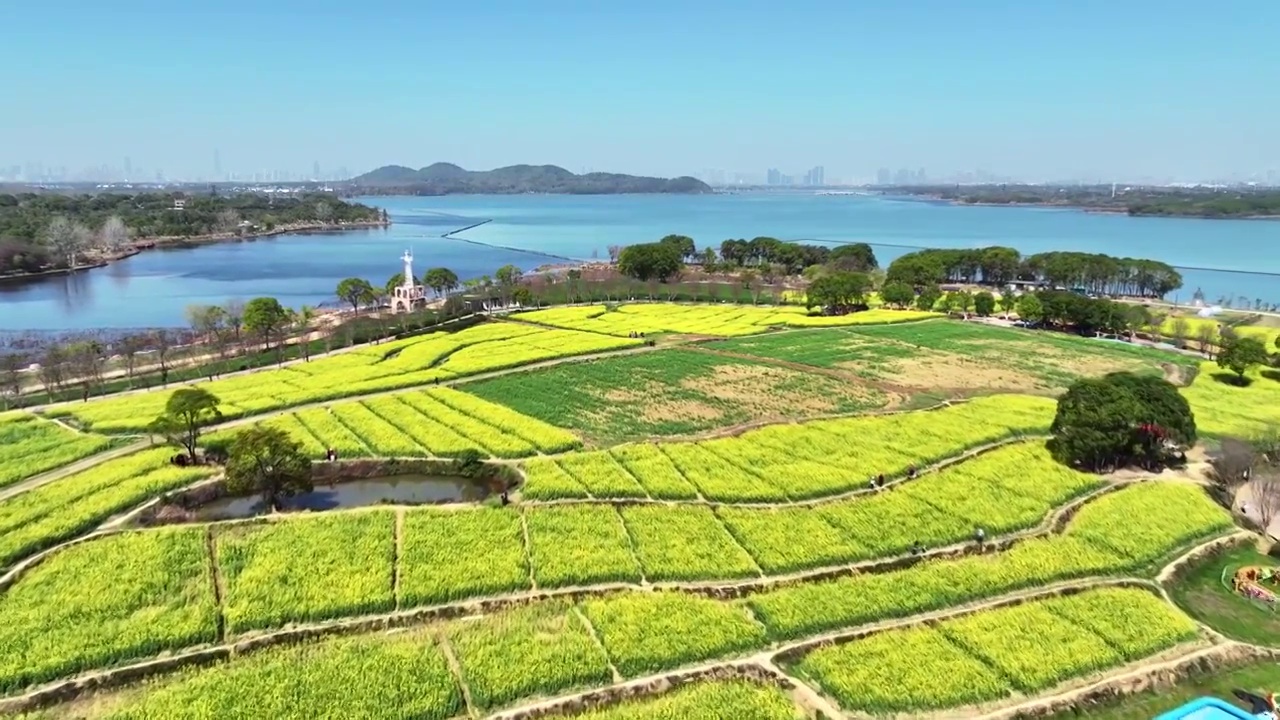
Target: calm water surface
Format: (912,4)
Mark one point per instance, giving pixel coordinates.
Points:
(396,489)
(152,289)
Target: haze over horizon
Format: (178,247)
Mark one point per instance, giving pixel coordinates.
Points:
(1082,90)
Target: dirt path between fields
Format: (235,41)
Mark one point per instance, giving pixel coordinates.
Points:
(36,481)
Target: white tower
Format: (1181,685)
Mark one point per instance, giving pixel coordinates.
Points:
(410,294)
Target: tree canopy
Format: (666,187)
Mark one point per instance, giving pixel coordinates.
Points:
(355,290)
(650,261)
(1238,354)
(186,412)
(839,292)
(266,461)
(1121,419)
(1097,273)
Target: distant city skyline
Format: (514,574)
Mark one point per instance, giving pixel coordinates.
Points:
(1030,91)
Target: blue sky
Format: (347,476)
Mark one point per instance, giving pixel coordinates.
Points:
(1066,88)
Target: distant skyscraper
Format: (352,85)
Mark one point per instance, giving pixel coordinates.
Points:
(773,177)
(902,177)
(818,176)
(315,171)
(128,169)
(217,164)
(921,178)
(884,176)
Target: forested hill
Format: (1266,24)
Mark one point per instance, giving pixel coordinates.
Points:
(448,179)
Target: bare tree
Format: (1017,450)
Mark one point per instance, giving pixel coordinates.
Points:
(1204,336)
(114,235)
(51,369)
(11,364)
(129,347)
(233,316)
(162,341)
(1264,494)
(228,220)
(614,252)
(84,363)
(324,211)
(66,239)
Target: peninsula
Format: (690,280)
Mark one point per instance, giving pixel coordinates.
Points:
(448,179)
(1210,203)
(51,232)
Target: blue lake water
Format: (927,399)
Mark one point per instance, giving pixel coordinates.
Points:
(153,288)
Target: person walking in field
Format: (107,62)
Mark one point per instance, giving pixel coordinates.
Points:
(980,536)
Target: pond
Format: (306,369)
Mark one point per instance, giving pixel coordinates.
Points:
(409,489)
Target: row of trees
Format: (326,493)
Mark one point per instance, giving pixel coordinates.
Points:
(1096,273)
(51,230)
(763,256)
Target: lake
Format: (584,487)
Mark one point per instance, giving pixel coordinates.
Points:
(153,288)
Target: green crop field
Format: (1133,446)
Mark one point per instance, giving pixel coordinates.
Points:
(954,358)
(675,392)
(702,507)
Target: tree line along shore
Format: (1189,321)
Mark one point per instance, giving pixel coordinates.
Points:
(1081,293)
(49,233)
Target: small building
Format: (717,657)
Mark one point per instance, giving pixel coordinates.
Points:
(410,294)
(179,203)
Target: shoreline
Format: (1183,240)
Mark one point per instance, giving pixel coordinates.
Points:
(1092,209)
(142,245)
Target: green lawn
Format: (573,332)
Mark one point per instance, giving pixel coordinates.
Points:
(1258,678)
(958,356)
(671,392)
(1205,593)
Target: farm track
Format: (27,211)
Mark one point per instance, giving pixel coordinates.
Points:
(36,481)
(1053,523)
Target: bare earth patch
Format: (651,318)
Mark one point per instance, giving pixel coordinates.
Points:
(662,410)
(766,390)
(953,372)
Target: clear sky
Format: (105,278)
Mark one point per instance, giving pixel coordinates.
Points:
(1042,88)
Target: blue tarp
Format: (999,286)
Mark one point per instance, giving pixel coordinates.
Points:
(1207,708)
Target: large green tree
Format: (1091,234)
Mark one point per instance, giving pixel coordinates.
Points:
(1238,354)
(441,280)
(650,261)
(187,411)
(1121,419)
(683,244)
(838,292)
(856,257)
(266,461)
(354,290)
(897,294)
(266,318)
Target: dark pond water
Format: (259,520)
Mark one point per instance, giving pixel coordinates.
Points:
(395,489)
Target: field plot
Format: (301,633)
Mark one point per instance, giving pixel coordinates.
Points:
(806,460)
(684,543)
(306,569)
(388,366)
(956,358)
(537,650)
(704,701)
(672,392)
(990,654)
(1223,408)
(710,320)
(382,677)
(67,507)
(439,422)
(1188,516)
(449,555)
(30,446)
(579,545)
(648,632)
(100,603)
